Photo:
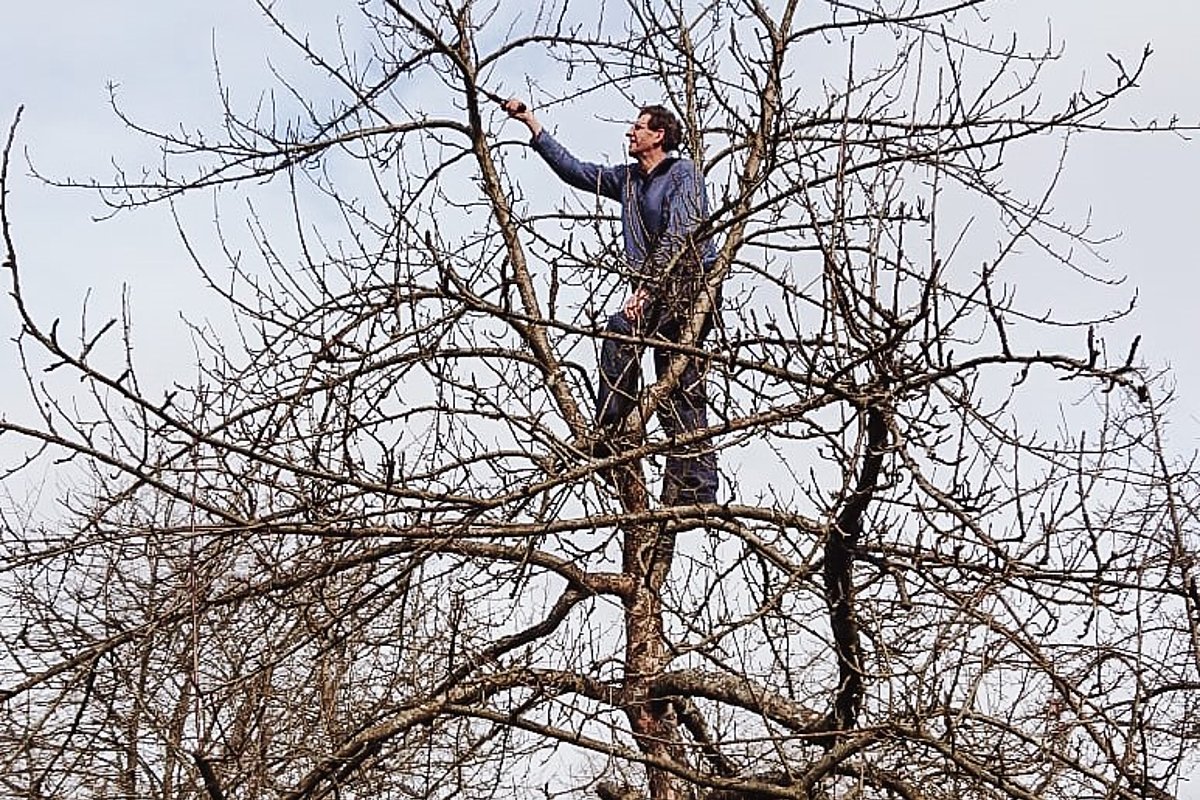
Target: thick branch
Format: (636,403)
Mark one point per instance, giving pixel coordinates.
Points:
(737,690)
(839,574)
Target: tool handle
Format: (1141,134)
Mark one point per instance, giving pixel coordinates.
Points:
(502,101)
(520,109)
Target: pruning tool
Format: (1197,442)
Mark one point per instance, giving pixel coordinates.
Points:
(498,100)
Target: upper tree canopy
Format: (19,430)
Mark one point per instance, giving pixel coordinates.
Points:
(358,556)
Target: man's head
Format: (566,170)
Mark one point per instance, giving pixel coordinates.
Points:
(656,127)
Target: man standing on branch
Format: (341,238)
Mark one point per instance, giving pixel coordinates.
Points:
(664,210)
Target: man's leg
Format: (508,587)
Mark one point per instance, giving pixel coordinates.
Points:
(691,471)
(620,373)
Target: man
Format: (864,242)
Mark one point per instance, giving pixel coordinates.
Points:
(663,209)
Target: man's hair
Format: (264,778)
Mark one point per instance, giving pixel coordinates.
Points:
(661,119)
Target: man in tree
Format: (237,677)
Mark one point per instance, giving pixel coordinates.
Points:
(664,208)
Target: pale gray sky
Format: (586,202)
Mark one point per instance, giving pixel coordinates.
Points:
(57,58)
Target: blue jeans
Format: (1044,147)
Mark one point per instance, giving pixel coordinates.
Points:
(691,472)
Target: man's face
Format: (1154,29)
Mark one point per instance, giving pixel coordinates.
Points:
(642,139)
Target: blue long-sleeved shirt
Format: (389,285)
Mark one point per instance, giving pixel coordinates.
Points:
(660,213)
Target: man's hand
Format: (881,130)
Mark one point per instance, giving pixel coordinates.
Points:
(636,304)
(519,109)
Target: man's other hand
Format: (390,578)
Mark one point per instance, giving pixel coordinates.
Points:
(636,304)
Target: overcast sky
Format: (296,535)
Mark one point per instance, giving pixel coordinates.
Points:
(57,59)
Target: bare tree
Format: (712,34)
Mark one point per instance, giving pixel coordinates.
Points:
(357,556)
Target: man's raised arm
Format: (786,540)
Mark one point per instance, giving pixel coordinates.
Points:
(595,178)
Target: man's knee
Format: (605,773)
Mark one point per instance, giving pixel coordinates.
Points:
(677,415)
